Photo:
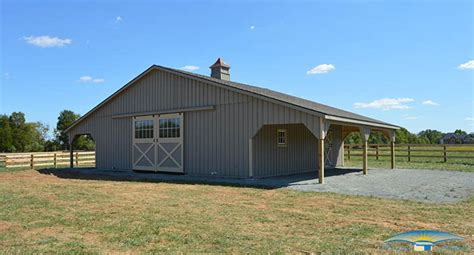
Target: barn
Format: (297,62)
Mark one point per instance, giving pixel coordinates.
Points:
(170,120)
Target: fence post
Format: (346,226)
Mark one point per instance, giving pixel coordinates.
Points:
(445,154)
(349,152)
(55,161)
(77,158)
(32,161)
(409,154)
(377,152)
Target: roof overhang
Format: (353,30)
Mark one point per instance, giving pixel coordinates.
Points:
(360,122)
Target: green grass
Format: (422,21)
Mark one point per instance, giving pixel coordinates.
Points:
(452,164)
(46,214)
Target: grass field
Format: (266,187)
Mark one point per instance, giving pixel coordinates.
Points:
(45,214)
(452,164)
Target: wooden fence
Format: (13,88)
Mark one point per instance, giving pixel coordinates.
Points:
(411,151)
(42,159)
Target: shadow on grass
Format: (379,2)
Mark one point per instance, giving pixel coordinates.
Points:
(152,177)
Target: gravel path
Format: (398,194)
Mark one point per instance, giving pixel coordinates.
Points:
(418,185)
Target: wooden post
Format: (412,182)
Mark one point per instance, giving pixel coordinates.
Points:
(77,158)
(365,160)
(365,134)
(32,161)
(349,152)
(409,154)
(71,156)
(377,152)
(55,161)
(445,154)
(321,161)
(392,153)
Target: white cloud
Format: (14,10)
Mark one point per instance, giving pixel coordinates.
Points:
(87,78)
(468,65)
(118,19)
(46,41)
(430,102)
(410,118)
(190,68)
(469,119)
(6,75)
(324,68)
(387,104)
(252,27)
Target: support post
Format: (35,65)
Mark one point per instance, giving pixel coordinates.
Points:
(77,158)
(365,158)
(55,161)
(32,161)
(391,134)
(365,132)
(349,152)
(323,129)
(392,154)
(321,160)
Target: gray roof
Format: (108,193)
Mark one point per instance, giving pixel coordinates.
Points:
(284,98)
(297,101)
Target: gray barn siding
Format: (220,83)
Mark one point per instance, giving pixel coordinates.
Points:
(300,154)
(214,141)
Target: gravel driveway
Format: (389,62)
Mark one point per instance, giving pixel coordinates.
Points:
(418,185)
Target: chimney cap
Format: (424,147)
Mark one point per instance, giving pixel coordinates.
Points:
(220,63)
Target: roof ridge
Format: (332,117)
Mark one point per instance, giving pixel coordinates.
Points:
(355,116)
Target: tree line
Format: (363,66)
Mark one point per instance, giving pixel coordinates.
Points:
(403,136)
(18,135)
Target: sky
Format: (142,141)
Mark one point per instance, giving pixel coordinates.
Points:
(409,63)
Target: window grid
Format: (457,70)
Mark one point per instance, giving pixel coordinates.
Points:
(143,129)
(281,137)
(170,128)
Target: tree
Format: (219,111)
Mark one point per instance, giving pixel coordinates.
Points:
(6,134)
(65,120)
(353,138)
(460,132)
(433,136)
(19,131)
(84,142)
(37,135)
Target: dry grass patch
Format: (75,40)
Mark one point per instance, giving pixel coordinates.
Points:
(44,213)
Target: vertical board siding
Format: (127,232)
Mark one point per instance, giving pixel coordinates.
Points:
(300,154)
(214,141)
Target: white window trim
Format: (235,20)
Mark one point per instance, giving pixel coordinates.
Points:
(279,144)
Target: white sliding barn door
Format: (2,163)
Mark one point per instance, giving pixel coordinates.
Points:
(144,148)
(169,146)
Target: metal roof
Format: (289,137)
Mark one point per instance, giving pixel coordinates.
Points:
(297,101)
(263,92)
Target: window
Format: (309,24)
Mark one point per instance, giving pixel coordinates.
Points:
(281,137)
(170,128)
(143,129)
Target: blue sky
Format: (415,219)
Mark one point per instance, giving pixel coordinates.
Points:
(404,62)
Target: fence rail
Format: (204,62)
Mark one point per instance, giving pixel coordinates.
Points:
(54,159)
(441,151)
